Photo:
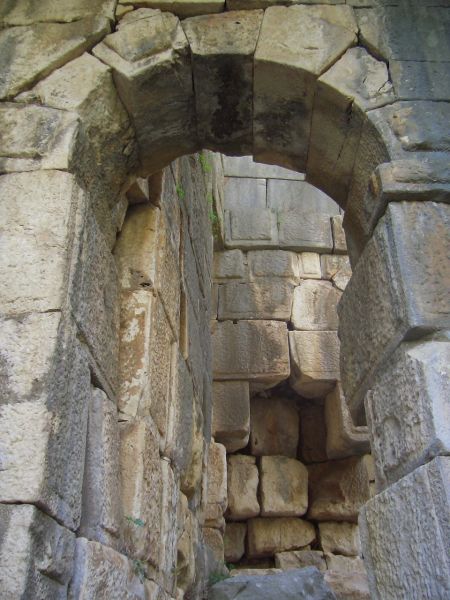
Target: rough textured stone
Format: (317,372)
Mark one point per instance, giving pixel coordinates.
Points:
(283,487)
(315,306)
(65,11)
(214,540)
(242,487)
(339,241)
(216,476)
(348,586)
(340,538)
(405,543)
(343,438)
(36,554)
(294,48)
(29,53)
(222,52)
(315,362)
(286,195)
(229,265)
(244,193)
(376,315)
(273,263)
(304,231)
(298,559)
(191,481)
(336,268)
(338,489)
(345,564)
(408,409)
(309,265)
(274,427)
(264,299)
(231,414)
(269,536)
(182,8)
(234,541)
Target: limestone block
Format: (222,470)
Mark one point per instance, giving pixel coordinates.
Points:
(339,241)
(27,13)
(245,166)
(186,546)
(298,559)
(340,538)
(304,231)
(288,195)
(274,427)
(404,534)
(249,229)
(267,537)
(309,265)
(345,564)
(313,432)
(242,487)
(315,306)
(253,350)
(168,277)
(217,481)
(229,265)
(231,414)
(375,315)
(223,46)
(145,76)
(43,414)
(354,84)
(182,8)
(214,540)
(262,299)
(283,67)
(191,481)
(283,487)
(142,490)
(338,489)
(409,76)
(314,362)
(273,263)
(100,570)
(234,541)
(244,193)
(346,586)
(343,437)
(101,517)
(29,53)
(166,571)
(407,409)
(336,268)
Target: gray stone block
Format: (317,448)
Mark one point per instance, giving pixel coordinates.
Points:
(315,306)
(273,263)
(245,166)
(248,229)
(242,193)
(284,195)
(303,231)
(263,299)
(231,414)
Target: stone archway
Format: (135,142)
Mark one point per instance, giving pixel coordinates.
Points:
(293,87)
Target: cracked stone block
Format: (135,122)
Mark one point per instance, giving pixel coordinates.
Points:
(222,55)
(340,538)
(267,536)
(234,541)
(242,487)
(309,265)
(283,487)
(287,195)
(181,8)
(405,532)
(286,71)
(250,229)
(303,231)
(216,493)
(407,409)
(274,427)
(262,299)
(337,268)
(315,306)
(273,263)
(244,193)
(36,554)
(231,414)
(314,362)
(229,265)
(299,559)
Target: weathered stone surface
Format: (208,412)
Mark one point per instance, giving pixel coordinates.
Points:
(404,533)
(283,487)
(234,541)
(214,540)
(298,559)
(273,263)
(254,350)
(101,516)
(100,570)
(36,554)
(142,494)
(348,586)
(298,585)
(336,268)
(43,415)
(309,265)
(420,81)
(313,432)
(229,265)
(274,427)
(231,414)
(216,476)
(339,241)
(314,361)
(182,8)
(376,315)
(250,229)
(244,193)
(29,53)
(286,195)
(267,537)
(294,48)
(343,437)
(263,299)
(345,564)
(408,409)
(245,166)
(315,306)
(304,231)
(353,85)
(167,544)
(340,538)
(242,487)
(65,11)
(222,53)
(338,489)
(146,75)
(191,481)
(188,539)
(252,572)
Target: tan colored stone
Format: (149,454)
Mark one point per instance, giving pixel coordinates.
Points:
(65,11)
(309,265)
(274,427)
(315,306)
(242,487)
(192,479)
(298,559)
(264,299)
(166,572)
(338,489)
(231,414)
(340,538)
(348,586)
(217,483)
(337,268)
(214,541)
(186,546)
(273,263)
(345,564)
(234,541)
(253,572)
(315,362)
(313,432)
(229,265)
(283,487)
(181,8)
(339,241)
(267,537)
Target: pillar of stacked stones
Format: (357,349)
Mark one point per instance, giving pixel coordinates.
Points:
(108,199)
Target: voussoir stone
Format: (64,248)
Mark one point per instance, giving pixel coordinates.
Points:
(274,427)
(283,487)
(315,306)
(267,536)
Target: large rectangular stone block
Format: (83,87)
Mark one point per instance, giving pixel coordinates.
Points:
(244,193)
(245,166)
(283,487)
(216,476)
(273,263)
(405,532)
(407,409)
(231,414)
(285,195)
(315,306)
(229,265)
(304,231)
(269,536)
(250,229)
(263,299)
(274,427)
(243,478)
(398,290)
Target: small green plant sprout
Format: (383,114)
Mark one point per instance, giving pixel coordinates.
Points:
(204,163)
(138,522)
(180,191)
(139,569)
(230,566)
